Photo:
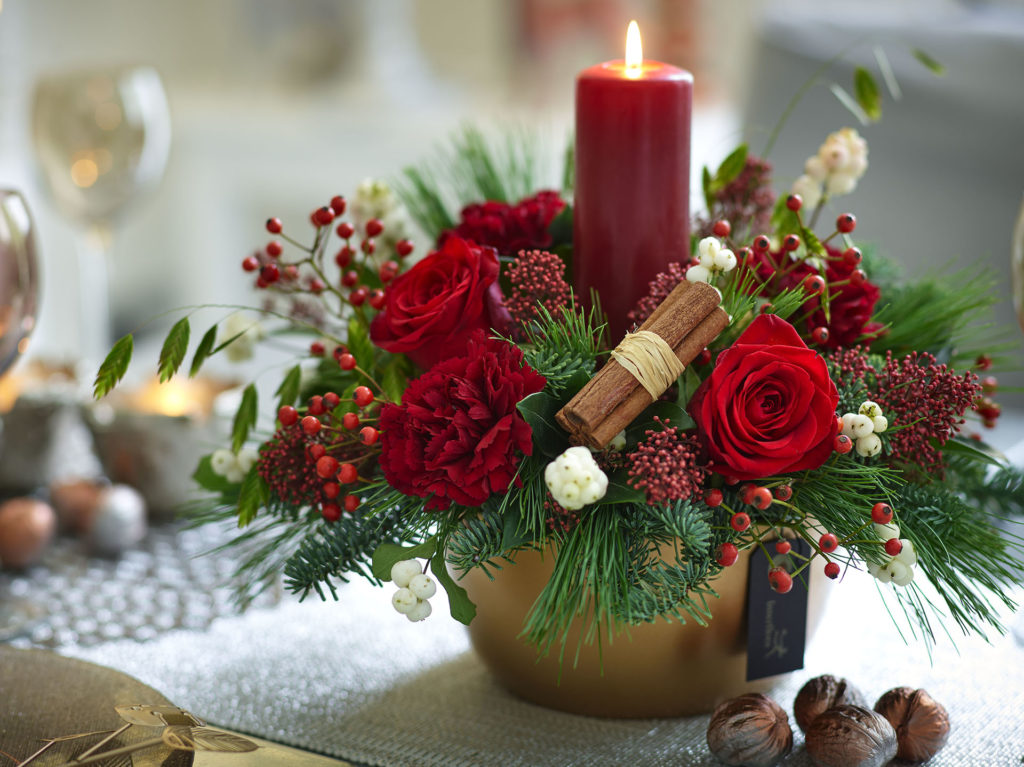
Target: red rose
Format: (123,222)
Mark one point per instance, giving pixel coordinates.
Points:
(769,406)
(457,435)
(431,310)
(509,228)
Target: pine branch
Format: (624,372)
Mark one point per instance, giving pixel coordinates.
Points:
(563,348)
(970,563)
(338,550)
(479,542)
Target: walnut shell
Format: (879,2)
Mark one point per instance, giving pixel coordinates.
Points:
(750,731)
(851,736)
(921,722)
(822,693)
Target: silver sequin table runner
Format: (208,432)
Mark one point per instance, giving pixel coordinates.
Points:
(357,681)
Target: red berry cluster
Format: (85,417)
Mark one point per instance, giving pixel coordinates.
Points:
(358,281)
(316,456)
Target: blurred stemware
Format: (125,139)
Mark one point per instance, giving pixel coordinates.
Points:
(19,301)
(101,138)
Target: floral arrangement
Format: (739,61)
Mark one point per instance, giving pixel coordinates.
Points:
(420,422)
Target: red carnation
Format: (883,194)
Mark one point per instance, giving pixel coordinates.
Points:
(769,406)
(509,228)
(457,436)
(432,309)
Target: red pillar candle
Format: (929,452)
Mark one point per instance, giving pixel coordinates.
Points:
(632,207)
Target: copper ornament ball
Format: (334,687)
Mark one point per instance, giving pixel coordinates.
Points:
(851,736)
(822,693)
(921,723)
(26,527)
(750,731)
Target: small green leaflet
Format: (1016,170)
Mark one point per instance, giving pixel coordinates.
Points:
(709,197)
(850,103)
(245,418)
(172,354)
(113,368)
(251,496)
(865,89)
(288,391)
(387,555)
(203,351)
(462,608)
(731,167)
(934,66)
(974,451)
(620,491)
(359,344)
(538,410)
(812,243)
(393,380)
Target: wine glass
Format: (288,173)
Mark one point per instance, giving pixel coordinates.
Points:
(19,300)
(101,138)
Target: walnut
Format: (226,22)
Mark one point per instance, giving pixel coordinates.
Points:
(851,736)
(822,693)
(921,723)
(750,731)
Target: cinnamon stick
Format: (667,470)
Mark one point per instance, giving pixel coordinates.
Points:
(688,319)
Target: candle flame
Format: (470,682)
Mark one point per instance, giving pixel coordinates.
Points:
(634,51)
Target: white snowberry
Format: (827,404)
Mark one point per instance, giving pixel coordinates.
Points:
(707,249)
(618,441)
(234,474)
(868,446)
(887,531)
(247,456)
(403,572)
(870,409)
(423,586)
(222,461)
(907,554)
(881,572)
(404,601)
(419,611)
(901,574)
(860,426)
(574,479)
(698,273)
(725,260)
(879,423)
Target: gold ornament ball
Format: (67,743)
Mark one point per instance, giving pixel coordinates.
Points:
(26,526)
(750,731)
(921,722)
(822,693)
(851,736)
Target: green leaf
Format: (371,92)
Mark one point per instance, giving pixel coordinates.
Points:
(812,243)
(251,496)
(174,349)
(288,391)
(561,228)
(203,351)
(359,344)
(974,451)
(462,608)
(620,491)
(784,221)
(208,479)
(245,418)
(866,91)
(393,380)
(731,167)
(539,410)
(387,554)
(934,66)
(887,73)
(709,195)
(113,368)
(513,533)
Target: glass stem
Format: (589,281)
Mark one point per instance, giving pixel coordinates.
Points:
(94,330)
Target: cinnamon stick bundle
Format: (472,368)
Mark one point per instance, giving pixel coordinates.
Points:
(688,320)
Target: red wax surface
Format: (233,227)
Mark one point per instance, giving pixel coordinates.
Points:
(632,207)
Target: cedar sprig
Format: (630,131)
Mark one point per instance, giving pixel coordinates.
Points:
(479,542)
(562,348)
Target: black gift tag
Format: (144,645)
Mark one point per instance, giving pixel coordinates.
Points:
(776,623)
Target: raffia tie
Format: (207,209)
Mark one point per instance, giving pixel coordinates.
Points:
(649,359)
